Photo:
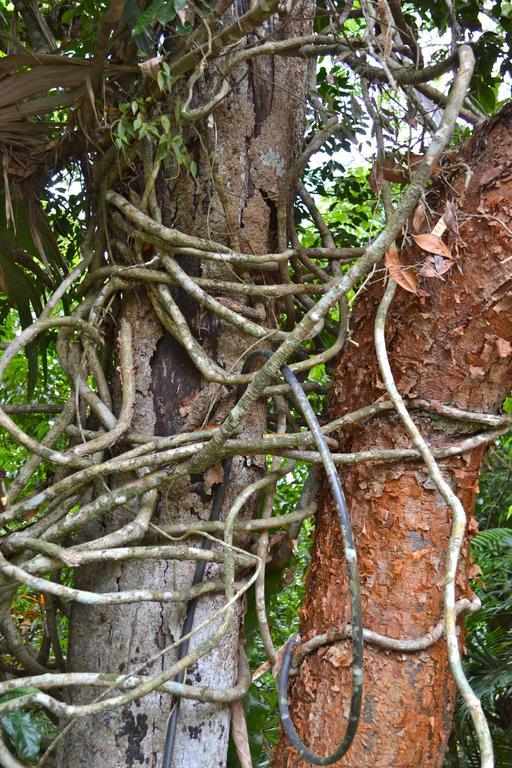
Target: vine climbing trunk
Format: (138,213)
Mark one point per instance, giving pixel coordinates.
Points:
(242,150)
(451,345)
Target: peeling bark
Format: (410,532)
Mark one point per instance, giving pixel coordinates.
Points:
(452,346)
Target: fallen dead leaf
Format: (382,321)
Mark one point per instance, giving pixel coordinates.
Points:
(414,160)
(429,268)
(473,526)
(433,244)
(419,218)
(404,276)
(394,172)
(442,265)
(450,217)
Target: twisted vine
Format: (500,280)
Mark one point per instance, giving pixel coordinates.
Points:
(86,484)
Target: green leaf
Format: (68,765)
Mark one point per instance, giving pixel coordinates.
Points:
(166,123)
(23,690)
(69,15)
(161,10)
(162,152)
(147,18)
(193,168)
(166,14)
(23,734)
(317,372)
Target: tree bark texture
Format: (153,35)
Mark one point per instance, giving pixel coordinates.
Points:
(451,344)
(250,140)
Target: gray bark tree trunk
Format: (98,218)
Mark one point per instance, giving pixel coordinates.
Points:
(251,140)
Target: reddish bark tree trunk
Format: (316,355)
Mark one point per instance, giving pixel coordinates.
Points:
(453,347)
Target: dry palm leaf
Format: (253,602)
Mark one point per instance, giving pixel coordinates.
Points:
(32,88)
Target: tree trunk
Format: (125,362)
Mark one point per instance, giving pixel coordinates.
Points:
(452,346)
(251,139)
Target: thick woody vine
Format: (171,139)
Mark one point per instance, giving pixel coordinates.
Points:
(87,481)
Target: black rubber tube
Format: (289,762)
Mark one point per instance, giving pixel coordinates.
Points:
(354,593)
(354,589)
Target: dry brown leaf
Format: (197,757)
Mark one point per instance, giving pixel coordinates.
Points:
(442,265)
(188,401)
(472,526)
(414,160)
(435,266)
(404,276)
(279,550)
(429,268)
(419,218)
(151,67)
(394,172)
(388,170)
(213,476)
(450,217)
(433,244)
(47,83)
(387,26)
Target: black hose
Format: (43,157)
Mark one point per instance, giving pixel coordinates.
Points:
(355,600)
(353,576)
